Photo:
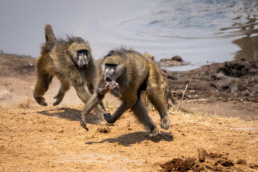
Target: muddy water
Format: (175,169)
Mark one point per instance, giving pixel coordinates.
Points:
(200,31)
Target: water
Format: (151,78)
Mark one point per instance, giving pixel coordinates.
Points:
(200,31)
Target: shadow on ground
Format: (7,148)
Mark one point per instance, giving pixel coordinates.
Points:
(136,137)
(71,114)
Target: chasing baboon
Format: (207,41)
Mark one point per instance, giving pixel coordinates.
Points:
(126,73)
(71,62)
(164,85)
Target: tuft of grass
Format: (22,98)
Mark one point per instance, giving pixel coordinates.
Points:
(182,99)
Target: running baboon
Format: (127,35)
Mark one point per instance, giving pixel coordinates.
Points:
(71,62)
(164,85)
(126,73)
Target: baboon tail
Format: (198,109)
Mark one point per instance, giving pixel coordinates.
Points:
(49,33)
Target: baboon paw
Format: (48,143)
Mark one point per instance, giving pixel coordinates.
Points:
(154,132)
(83,124)
(107,117)
(41,101)
(56,103)
(59,99)
(165,122)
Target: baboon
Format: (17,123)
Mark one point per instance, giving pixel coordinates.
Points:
(126,73)
(71,62)
(164,84)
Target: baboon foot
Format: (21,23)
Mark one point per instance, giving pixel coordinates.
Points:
(108,118)
(154,132)
(41,101)
(165,122)
(59,98)
(83,124)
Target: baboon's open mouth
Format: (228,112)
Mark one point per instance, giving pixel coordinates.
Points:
(108,79)
(83,67)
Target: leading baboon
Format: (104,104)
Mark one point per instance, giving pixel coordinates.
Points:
(71,62)
(126,73)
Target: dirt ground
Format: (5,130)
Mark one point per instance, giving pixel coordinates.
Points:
(227,89)
(36,138)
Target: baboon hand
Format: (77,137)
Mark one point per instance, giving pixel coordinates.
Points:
(165,122)
(104,89)
(154,132)
(41,101)
(113,84)
(108,117)
(59,97)
(83,124)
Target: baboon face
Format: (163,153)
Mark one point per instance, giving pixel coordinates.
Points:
(82,59)
(110,72)
(112,67)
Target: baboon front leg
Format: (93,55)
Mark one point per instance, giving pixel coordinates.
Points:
(65,85)
(44,79)
(142,114)
(113,118)
(157,99)
(128,102)
(89,106)
(60,95)
(84,94)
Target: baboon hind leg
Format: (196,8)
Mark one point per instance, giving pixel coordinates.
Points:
(157,99)
(60,95)
(142,114)
(42,85)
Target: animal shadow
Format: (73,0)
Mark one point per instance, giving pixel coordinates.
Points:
(71,114)
(136,137)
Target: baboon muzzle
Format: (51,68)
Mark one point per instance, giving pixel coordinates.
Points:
(108,79)
(83,67)
(108,76)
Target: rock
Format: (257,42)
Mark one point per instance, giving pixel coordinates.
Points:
(174,61)
(103,130)
(177,58)
(202,154)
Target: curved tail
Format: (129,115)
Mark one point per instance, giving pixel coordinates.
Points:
(49,33)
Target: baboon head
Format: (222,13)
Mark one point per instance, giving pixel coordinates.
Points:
(82,59)
(112,67)
(81,55)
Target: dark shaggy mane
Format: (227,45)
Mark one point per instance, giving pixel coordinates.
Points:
(121,52)
(71,39)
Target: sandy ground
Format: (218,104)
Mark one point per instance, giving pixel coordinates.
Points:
(36,138)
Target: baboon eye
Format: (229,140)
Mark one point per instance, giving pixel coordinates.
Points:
(83,52)
(111,65)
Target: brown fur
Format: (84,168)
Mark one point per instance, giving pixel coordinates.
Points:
(134,73)
(61,58)
(164,85)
